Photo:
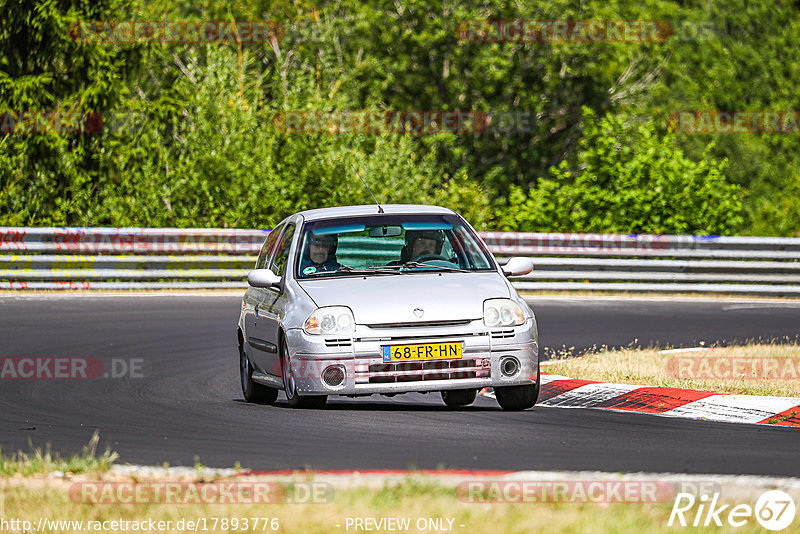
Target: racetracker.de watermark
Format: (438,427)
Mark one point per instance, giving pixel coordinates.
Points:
(126,240)
(220,492)
(50,122)
(432,370)
(510,243)
(565,491)
(381,122)
(734,122)
(414,122)
(733,367)
(565,31)
(69,368)
(175,32)
(54,122)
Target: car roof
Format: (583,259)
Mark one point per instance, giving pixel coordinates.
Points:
(372,209)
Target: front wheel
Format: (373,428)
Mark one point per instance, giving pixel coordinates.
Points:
(459,397)
(290,386)
(515,398)
(251,391)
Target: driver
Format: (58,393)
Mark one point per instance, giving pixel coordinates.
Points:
(320,254)
(421,243)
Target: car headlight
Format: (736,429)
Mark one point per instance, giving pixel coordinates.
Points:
(502,312)
(330,320)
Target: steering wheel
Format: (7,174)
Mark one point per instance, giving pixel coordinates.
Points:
(428,257)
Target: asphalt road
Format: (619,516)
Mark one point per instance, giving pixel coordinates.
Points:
(183,403)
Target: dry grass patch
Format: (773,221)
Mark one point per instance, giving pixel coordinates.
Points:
(760,369)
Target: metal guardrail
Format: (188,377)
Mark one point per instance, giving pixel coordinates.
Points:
(147,258)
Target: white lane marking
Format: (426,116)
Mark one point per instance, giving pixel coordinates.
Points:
(589,395)
(734,408)
(766,306)
(546,379)
(678,351)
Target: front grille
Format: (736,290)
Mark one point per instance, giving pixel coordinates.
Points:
(338,342)
(421,324)
(427,337)
(382,373)
(502,334)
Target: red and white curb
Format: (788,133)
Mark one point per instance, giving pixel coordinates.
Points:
(564,392)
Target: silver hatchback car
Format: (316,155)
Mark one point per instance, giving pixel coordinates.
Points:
(391,299)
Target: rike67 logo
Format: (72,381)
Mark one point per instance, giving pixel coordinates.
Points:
(774,510)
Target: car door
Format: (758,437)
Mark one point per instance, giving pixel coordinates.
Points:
(270,308)
(256,300)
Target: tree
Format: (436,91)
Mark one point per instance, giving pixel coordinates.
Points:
(629,179)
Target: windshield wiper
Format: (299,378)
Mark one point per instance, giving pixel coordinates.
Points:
(351,270)
(383,269)
(417,265)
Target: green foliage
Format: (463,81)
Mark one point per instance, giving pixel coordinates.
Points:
(199,147)
(231,168)
(628,179)
(471,199)
(46,178)
(778,213)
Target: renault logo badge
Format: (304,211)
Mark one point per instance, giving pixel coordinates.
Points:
(419,312)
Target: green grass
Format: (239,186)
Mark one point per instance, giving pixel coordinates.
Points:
(40,461)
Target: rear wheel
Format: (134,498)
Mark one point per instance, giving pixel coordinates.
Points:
(251,391)
(459,397)
(515,398)
(290,386)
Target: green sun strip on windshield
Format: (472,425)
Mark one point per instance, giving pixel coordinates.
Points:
(363,252)
(330,230)
(427,226)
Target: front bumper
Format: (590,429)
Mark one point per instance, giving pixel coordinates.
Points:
(366,373)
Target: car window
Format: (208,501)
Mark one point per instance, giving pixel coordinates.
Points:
(375,242)
(268,247)
(278,263)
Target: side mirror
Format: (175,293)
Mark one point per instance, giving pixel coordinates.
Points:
(263,278)
(518,266)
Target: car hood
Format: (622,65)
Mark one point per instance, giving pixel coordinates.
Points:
(381,299)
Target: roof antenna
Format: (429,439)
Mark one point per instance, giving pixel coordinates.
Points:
(380,209)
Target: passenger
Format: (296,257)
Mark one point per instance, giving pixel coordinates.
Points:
(320,254)
(421,243)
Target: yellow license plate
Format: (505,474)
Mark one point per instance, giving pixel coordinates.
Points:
(425,351)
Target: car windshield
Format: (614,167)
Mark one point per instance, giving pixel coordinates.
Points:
(390,244)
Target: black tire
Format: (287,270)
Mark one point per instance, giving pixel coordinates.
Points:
(459,397)
(515,398)
(251,391)
(290,386)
